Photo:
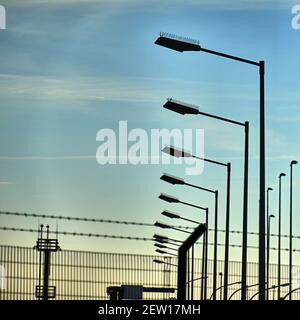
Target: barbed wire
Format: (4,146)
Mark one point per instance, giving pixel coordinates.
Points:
(110,236)
(143,224)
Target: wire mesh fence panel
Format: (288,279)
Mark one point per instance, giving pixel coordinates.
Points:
(81,275)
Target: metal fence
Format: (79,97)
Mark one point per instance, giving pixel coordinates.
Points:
(81,275)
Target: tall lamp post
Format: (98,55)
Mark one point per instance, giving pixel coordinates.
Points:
(181,153)
(279,238)
(178,181)
(184,108)
(267,217)
(268,200)
(181,44)
(270,216)
(293,162)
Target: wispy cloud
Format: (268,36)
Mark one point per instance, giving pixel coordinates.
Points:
(220,4)
(127,89)
(70,157)
(6,183)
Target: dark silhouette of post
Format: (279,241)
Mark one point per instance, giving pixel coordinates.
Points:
(182,44)
(293,162)
(203,266)
(221,284)
(206,254)
(279,238)
(245,214)
(182,260)
(262,185)
(270,216)
(267,217)
(226,257)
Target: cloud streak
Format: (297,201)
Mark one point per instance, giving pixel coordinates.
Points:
(66,157)
(220,4)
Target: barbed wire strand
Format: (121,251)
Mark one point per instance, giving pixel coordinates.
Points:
(109,236)
(144,224)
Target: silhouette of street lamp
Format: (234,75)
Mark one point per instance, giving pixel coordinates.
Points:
(279,238)
(166,226)
(178,181)
(161,246)
(293,162)
(163,252)
(173,215)
(183,109)
(164,262)
(270,216)
(164,239)
(175,152)
(268,212)
(182,44)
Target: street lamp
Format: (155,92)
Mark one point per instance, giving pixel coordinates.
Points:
(221,284)
(182,153)
(165,239)
(279,238)
(164,262)
(268,200)
(161,246)
(178,181)
(165,252)
(184,108)
(166,226)
(162,241)
(182,44)
(293,162)
(173,215)
(270,216)
(267,217)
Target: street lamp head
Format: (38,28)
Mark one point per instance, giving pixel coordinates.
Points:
(171,179)
(180,107)
(160,246)
(271,216)
(158,236)
(293,162)
(177,153)
(282,175)
(158,261)
(161,241)
(162,225)
(168,198)
(177,43)
(170,214)
(161,251)
(270,189)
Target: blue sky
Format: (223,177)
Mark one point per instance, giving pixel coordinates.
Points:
(69,68)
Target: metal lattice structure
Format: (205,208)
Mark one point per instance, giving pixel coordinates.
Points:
(83,275)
